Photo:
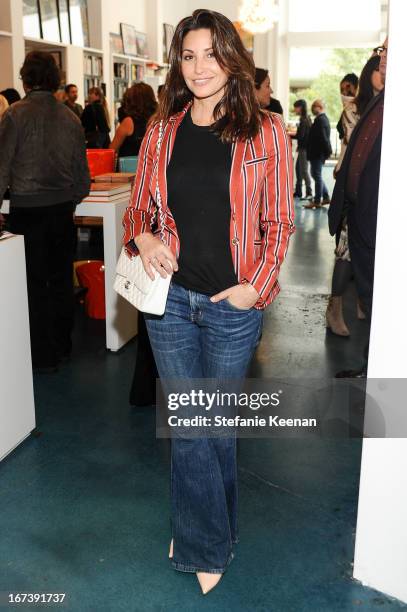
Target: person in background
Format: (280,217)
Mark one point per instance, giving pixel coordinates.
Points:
(95,120)
(348,87)
(71,92)
(11,95)
(43,200)
(356,196)
(318,150)
(3,105)
(264,92)
(139,104)
(60,95)
(301,136)
(370,85)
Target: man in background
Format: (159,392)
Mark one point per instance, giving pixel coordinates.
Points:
(319,149)
(356,196)
(43,161)
(71,92)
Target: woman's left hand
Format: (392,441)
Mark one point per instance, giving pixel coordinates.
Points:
(242,296)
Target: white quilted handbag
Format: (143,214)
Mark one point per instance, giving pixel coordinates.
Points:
(132,281)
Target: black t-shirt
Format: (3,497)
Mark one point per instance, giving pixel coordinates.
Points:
(198,177)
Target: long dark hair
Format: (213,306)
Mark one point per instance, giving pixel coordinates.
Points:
(139,102)
(365,90)
(302,104)
(237,115)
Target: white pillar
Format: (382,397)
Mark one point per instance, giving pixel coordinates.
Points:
(381,536)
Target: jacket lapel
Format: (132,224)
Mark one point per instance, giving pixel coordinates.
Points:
(238,156)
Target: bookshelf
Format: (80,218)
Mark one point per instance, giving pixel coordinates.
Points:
(92,70)
(127,70)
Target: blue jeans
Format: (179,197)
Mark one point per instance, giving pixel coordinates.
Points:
(316,173)
(198,339)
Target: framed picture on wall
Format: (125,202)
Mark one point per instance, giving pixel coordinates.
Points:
(141,44)
(116,43)
(49,20)
(128,34)
(64,24)
(78,16)
(31,19)
(167,39)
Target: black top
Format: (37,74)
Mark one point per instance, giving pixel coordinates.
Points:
(93,118)
(303,131)
(319,143)
(275,106)
(198,176)
(131,144)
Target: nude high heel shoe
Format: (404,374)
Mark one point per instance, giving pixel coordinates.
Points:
(207,581)
(171,553)
(334,317)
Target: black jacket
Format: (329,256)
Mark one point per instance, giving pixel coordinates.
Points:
(42,153)
(319,144)
(364,213)
(303,130)
(95,125)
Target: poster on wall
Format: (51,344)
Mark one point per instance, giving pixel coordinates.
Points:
(49,20)
(116,43)
(78,15)
(246,37)
(168,34)
(128,33)
(31,19)
(141,44)
(64,25)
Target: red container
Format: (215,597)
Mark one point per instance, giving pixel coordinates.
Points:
(100,161)
(92,276)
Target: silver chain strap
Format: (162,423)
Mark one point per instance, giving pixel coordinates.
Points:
(157,193)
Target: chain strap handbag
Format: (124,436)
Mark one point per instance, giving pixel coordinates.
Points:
(132,281)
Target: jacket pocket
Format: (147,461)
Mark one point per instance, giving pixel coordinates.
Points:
(256,160)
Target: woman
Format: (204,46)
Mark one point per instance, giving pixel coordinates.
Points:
(95,120)
(224,172)
(139,104)
(301,136)
(264,92)
(370,85)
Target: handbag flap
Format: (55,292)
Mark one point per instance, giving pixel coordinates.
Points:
(133,270)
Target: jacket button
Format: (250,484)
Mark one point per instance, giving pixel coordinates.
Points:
(235,241)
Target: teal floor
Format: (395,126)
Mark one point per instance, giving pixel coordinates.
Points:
(85,499)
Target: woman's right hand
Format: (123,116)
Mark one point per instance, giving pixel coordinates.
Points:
(155,255)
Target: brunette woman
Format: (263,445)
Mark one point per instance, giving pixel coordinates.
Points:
(95,120)
(139,104)
(370,85)
(224,173)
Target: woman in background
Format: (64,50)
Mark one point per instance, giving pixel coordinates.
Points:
(264,92)
(95,120)
(139,104)
(301,136)
(370,85)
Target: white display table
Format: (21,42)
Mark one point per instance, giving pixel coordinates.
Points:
(121,317)
(17,415)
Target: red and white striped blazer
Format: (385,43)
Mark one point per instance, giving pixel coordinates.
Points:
(261,200)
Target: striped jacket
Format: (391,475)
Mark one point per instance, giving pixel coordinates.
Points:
(261,201)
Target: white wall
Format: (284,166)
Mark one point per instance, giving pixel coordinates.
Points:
(381,536)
